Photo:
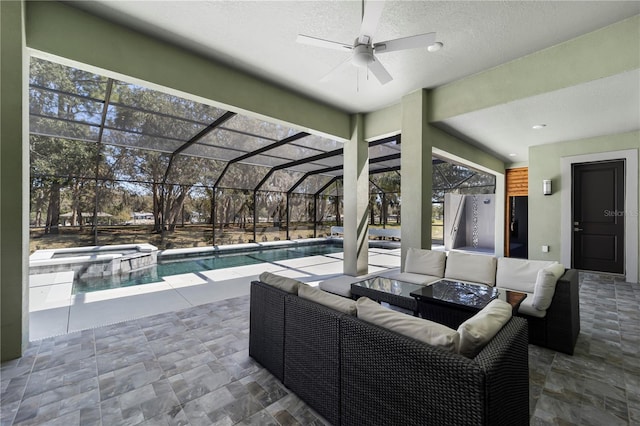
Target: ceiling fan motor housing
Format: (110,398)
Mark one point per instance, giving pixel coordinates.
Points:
(362,55)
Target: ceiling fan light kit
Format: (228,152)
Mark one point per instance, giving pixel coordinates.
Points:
(363,51)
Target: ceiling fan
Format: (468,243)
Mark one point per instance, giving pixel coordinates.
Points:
(364,50)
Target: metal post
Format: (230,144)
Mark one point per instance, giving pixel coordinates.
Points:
(255,215)
(213,216)
(287,212)
(315,216)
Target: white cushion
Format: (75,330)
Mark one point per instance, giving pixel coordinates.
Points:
(414,278)
(476,268)
(526,308)
(519,274)
(545,286)
(283,283)
(340,285)
(332,301)
(425,331)
(478,330)
(426,262)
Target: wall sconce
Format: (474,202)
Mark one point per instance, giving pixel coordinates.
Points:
(546,186)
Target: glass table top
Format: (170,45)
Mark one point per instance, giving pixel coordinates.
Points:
(458,293)
(389,285)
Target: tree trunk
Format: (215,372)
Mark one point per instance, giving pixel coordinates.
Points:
(53,212)
(157,212)
(174,208)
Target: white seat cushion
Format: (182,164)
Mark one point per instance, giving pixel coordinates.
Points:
(478,330)
(333,301)
(526,308)
(519,274)
(341,285)
(425,262)
(545,286)
(414,278)
(475,268)
(425,331)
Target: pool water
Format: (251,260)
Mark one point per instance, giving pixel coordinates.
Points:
(187,265)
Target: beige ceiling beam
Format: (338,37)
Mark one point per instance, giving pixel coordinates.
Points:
(601,53)
(62,31)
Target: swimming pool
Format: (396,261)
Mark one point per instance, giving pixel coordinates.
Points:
(175,266)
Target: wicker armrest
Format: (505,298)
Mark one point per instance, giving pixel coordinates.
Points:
(312,355)
(563,315)
(391,379)
(505,361)
(266,327)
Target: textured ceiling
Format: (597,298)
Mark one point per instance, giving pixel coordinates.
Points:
(259,37)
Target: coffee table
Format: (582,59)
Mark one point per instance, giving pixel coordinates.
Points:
(393,292)
(452,302)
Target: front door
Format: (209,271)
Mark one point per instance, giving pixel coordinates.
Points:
(598,216)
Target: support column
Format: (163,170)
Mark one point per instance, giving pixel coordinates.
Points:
(417,168)
(14,178)
(356,200)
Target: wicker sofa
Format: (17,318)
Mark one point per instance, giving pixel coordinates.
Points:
(556,327)
(353,372)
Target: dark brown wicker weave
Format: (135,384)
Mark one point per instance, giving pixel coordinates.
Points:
(312,355)
(266,327)
(390,379)
(450,316)
(560,327)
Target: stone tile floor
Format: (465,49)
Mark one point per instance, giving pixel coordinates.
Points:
(191,367)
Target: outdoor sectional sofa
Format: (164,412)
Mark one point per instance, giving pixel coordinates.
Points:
(353,372)
(555,327)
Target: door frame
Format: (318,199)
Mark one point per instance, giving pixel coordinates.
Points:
(630,205)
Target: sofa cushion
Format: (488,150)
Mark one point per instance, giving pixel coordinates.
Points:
(283,283)
(340,285)
(415,278)
(425,262)
(475,268)
(519,274)
(526,308)
(478,330)
(422,330)
(545,286)
(332,301)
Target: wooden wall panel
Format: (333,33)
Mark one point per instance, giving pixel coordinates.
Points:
(517,182)
(517,185)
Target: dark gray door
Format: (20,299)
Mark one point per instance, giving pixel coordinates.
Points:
(598,216)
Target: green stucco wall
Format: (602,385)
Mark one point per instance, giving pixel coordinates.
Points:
(545,163)
(67,32)
(13,216)
(608,51)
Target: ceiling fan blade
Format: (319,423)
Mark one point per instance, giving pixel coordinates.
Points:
(328,76)
(370,19)
(319,42)
(411,42)
(380,72)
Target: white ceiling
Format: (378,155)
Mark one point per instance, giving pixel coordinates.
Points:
(259,37)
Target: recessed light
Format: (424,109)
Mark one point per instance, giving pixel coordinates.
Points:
(435,47)
(538,126)
(512,155)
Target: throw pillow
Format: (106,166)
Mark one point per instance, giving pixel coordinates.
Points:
(475,268)
(283,283)
(478,330)
(422,330)
(339,303)
(546,286)
(425,262)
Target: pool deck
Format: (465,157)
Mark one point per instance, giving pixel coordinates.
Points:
(55,311)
